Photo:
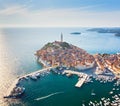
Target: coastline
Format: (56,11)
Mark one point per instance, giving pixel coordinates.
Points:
(34,75)
(44,64)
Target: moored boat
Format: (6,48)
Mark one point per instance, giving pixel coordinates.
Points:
(16,93)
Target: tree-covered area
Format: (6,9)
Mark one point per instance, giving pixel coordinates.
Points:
(63,45)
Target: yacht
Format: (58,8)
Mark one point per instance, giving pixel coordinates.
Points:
(33,77)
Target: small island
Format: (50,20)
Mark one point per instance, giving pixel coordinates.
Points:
(75,33)
(117,34)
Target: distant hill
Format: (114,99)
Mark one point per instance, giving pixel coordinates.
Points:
(115,31)
(105,30)
(117,34)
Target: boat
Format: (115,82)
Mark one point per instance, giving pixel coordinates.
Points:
(33,77)
(111,92)
(16,93)
(37,75)
(113,89)
(117,89)
(69,75)
(92,93)
(83,104)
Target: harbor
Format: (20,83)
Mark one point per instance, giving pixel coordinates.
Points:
(16,84)
(82,78)
(34,75)
(16,89)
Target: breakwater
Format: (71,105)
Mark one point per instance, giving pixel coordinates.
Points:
(32,75)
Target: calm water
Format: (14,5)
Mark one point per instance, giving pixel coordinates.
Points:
(17,48)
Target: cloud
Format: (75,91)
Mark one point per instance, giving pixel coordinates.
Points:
(22,16)
(14,9)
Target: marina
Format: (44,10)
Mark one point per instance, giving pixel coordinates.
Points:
(16,83)
(36,74)
(82,78)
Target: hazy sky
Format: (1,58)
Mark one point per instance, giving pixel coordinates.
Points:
(84,13)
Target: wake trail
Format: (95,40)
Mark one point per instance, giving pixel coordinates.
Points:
(44,97)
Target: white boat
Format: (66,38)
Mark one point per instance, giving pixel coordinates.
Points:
(111,92)
(33,77)
(83,104)
(37,74)
(92,93)
(16,93)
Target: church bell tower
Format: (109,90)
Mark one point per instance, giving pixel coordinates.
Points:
(61,37)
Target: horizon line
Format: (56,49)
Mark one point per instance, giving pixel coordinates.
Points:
(36,26)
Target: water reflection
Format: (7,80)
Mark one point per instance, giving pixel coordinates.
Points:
(7,68)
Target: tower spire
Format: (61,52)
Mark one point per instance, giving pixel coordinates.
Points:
(61,37)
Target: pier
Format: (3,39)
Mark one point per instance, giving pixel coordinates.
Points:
(34,73)
(81,81)
(82,77)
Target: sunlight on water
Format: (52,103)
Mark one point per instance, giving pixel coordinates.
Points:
(6,69)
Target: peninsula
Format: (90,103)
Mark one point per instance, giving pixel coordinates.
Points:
(63,54)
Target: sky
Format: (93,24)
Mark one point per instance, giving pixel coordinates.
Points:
(60,13)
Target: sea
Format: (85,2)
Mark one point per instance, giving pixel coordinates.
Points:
(17,58)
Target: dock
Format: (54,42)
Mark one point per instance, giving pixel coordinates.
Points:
(82,77)
(81,81)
